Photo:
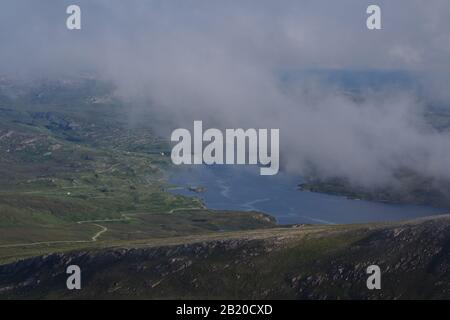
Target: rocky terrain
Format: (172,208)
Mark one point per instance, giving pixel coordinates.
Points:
(301,262)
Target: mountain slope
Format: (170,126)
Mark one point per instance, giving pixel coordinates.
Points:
(305,262)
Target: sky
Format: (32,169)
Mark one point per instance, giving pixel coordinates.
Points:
(226,63)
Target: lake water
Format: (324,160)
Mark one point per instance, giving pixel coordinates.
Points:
(242,188)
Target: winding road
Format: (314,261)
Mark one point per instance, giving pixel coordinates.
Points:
(103,229)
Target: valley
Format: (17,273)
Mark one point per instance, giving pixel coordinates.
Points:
(82,183)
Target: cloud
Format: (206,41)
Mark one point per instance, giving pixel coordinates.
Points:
(260,64)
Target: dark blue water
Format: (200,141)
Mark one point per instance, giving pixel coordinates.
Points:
(242,188)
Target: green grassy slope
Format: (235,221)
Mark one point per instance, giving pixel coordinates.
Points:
(70,153)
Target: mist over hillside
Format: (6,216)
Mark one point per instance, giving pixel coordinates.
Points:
(86,164)
(226,64)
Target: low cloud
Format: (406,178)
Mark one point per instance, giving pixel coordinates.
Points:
(261,64)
